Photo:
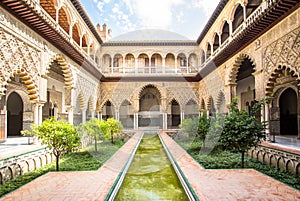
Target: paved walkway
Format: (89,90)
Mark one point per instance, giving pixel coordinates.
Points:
(237,184)
(73,186)
(210,185)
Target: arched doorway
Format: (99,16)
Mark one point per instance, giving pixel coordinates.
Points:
(175,114)
(288,112)
(108,110)
(191,109)
(245,81)
(14,114)
(150,113)
(126,114)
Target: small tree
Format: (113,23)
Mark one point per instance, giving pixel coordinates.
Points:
(203,126)
(190,126)
(59,136)
(94,128)
(242,131)
(216,125)
(114,127)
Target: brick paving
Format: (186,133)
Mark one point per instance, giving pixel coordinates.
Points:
(83,185)
(246,184)
(237,184)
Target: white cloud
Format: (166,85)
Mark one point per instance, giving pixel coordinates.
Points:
(122,19)
(106,1)
(154,13)
(100,6)
(208,6)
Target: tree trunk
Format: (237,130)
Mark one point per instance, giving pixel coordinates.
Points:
(243,159)
(57,163)
(96,150)
(112,137)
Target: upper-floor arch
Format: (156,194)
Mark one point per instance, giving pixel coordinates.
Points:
(64,19)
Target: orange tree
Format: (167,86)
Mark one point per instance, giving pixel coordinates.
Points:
(242,131)
(114,127)
(59,136)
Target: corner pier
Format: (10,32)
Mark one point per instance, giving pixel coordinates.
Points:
(208,184)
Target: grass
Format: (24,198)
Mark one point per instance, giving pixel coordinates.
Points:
(228,160)
(83,160)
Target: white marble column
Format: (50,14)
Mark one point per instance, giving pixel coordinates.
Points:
(93,114)
(70,114)
(244,12)
(267,120)
(164,64)
(36,113)
(230,29)
(117,116)
(165,121)
(83,115)
(181,117)
(40,114)
(136,121)
(136,64)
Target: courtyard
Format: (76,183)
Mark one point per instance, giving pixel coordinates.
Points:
(208,184)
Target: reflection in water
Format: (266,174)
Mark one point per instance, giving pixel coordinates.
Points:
(151,175)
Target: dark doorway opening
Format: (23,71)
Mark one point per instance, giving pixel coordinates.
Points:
(14,115)
(288,112)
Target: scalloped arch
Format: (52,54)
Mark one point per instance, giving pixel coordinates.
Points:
(271,80)
(237,64)
(66,69)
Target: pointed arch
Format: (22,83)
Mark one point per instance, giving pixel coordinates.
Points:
(150,98)
(202,104)
(76,33)
(221,103)
(108,109)
(126,114)
(224,31)
(237,16)
(237,64)
(175,113)
(49,7)
(191,108)
(27,80)
(277,72)
(64,19)
(66,69)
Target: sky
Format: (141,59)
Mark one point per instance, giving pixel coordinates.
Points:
(185,17)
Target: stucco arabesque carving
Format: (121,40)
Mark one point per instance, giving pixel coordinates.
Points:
(17,55)
(284,51)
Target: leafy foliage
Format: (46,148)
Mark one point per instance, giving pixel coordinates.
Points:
(203,126)
(242,131)
(82,160)
(59,136)
(190,126)
(228,160)
(95,129)
(114,127)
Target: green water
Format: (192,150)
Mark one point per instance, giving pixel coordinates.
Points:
(151,175)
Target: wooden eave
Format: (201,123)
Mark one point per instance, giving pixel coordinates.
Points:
(254,31)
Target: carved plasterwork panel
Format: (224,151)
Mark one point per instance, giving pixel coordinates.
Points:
(88,89)
(17,57)
(182,92)
(285,51)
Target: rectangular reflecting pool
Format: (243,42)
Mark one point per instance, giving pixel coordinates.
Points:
(151,175)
